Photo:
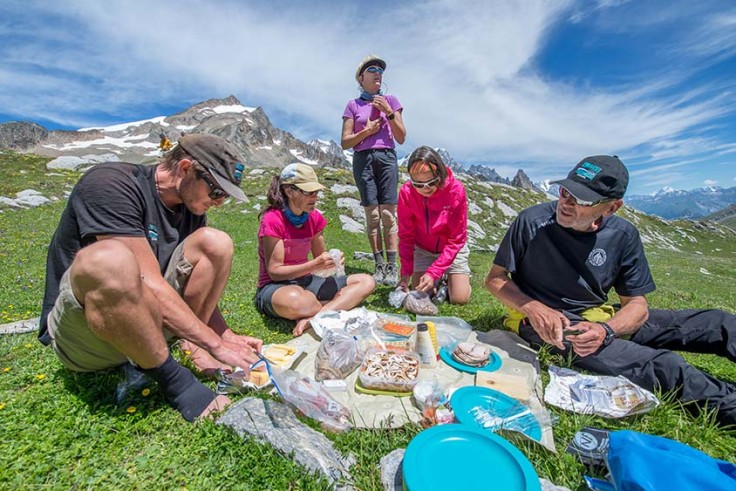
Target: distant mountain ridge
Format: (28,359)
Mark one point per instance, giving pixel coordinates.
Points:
(261,143)
(670,203)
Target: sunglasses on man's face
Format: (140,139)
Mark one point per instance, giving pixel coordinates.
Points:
(566,195)
(305,193)
(216,192)
(426,184)
(374,69)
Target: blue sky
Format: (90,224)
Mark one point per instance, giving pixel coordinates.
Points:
(536,84)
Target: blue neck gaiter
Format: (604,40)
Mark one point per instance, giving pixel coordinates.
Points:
(368,97)
(296,220)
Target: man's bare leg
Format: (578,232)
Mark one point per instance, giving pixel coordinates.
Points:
(121,310)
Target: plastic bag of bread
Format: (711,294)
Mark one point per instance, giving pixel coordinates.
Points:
(338,355)
(420,303)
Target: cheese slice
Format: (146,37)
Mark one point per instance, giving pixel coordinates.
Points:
(279,353)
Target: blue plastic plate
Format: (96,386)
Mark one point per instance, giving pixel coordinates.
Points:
(462,457)
(493,364)
(464,399)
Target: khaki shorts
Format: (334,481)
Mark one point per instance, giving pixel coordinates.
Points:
(424,259)
(78,348)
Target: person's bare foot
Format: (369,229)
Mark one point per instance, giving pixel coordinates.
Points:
(218,405)
(301,326)
(205,363)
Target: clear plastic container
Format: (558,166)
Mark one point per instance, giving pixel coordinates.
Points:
(389,370)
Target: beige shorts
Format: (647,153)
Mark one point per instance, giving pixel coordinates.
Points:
(78,348)
(424,259)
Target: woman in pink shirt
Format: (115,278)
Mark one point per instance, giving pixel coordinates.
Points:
(291,228)
(370,125)
(433,228)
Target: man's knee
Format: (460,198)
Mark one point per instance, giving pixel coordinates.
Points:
(365,282)
(388,219)
(210,242)
(107,266)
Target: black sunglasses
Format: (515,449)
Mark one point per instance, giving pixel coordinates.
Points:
(216,192)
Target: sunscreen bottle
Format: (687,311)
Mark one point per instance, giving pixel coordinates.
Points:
(425,350)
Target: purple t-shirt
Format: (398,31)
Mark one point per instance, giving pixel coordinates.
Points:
(359,111)
(297,241)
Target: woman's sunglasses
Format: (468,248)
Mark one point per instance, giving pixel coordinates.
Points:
(426,184)
(305,193)
(216,192)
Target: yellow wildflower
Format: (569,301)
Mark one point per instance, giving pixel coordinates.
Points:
(6,369)
(131,409)
(145,392)
(40,376)
(2,406)
(28,345)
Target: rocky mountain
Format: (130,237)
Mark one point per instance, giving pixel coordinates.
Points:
(521,180)
(725,217)
(670,203)
(21,135)
(485,173)
(260,143)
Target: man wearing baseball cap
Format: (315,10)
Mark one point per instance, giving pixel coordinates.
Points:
(554,270)
(132,265)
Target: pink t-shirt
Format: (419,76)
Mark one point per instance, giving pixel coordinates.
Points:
(297,241)
(359,111)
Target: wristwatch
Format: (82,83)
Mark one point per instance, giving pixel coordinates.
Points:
(610,334)
(391,116)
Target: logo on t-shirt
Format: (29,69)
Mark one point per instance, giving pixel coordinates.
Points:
(152,232)
(597,257)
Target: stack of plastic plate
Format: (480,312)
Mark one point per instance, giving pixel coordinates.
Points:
(462,457)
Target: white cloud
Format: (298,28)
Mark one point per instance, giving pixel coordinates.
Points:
(710,182)
(468,76)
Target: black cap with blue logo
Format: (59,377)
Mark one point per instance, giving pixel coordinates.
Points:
(220,157)
(597,178)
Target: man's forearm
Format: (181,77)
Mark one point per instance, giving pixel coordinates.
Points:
(632,315)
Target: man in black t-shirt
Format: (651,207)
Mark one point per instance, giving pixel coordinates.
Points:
(555,267)
(132,264)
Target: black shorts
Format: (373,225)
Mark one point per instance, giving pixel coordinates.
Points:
(376,174)
(324,289)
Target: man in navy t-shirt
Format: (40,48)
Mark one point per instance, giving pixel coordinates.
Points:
(555,267)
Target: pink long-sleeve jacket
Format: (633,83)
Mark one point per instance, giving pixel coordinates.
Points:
(437,224)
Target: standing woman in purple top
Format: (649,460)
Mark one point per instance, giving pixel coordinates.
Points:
(371,124)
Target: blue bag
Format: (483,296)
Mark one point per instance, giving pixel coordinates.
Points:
(640,462)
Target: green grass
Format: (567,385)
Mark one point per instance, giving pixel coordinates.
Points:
(63,430)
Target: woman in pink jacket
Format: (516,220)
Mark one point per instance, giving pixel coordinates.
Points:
(433,228)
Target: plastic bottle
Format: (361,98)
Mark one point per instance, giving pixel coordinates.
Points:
(433,334)
(425,350)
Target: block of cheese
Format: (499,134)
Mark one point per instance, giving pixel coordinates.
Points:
(258,378)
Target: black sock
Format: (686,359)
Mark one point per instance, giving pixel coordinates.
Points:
(391,257)
(181,388)
(378,256)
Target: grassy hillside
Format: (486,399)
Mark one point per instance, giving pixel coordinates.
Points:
(63,430)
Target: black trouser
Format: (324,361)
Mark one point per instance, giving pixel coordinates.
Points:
(646,359)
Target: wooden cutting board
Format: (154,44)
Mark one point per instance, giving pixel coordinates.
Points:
(515,386)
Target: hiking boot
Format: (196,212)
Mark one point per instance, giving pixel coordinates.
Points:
(379,274)
(390,274)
